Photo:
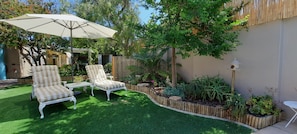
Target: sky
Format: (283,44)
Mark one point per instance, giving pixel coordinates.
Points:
(145,14)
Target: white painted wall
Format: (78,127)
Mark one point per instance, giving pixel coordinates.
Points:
(268,61)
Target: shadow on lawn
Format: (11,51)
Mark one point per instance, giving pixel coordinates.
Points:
(17,108)
(93,114)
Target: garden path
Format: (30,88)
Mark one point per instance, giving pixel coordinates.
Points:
(7,82)
(279,128)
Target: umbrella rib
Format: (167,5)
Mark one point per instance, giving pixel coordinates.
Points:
(82,27)
(66,25)
(71,27)
(86,24)
(38,25)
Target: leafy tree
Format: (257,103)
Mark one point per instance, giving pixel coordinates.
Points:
(120,15)
(29,44)
(202,27)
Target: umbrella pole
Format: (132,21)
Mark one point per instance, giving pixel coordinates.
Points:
(72,56)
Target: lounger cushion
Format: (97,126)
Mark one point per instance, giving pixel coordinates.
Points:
(44,76)
(109,84)
(52,93)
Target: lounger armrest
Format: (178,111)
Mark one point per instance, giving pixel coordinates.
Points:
(64,83)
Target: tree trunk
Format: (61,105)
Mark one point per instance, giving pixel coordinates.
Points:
(20,48)
(173,67)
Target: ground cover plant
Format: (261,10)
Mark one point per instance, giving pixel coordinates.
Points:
(215,91)
(127,112)
(262,106)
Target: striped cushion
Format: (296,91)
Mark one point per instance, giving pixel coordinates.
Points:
(98,77)
(44,76)
(109,84)
(96,72)
(52,93)
(47,83)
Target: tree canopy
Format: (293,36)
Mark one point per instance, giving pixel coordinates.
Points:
(202,27)
(29,44)
(120,15)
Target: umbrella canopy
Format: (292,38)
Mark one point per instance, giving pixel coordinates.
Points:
(64,25)
(61,25)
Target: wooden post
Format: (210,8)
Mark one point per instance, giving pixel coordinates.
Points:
(233,82)
(113,67)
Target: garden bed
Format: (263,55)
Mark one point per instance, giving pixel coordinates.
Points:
(217,111)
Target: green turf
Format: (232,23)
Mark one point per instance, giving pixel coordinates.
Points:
(126,113)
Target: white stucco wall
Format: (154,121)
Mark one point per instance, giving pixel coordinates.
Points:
(267,59)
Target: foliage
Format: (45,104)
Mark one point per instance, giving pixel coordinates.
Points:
(132,79)
(205,27)
(175,91)
(235,104)
(65,70)
(120,15)
(193,90)
(149,67)
(262,105)
(207,88)
(108,67)
(80,72)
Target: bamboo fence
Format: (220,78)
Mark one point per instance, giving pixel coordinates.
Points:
(264,11)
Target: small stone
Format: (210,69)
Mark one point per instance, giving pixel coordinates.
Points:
(143,84)
(176,98)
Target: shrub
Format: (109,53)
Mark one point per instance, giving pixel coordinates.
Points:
(193,90)
(208,89)
(178,91)
(235,104)
(65,70)
(131,79)
(107,67)
(262,105)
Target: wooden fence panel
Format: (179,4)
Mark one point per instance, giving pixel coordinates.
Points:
(120,66)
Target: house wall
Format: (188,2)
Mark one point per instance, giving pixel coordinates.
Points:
(16,65)
(267,59)
(12,62)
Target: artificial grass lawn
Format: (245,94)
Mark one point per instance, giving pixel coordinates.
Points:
(127,113)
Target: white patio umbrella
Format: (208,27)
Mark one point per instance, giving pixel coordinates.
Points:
(64,25)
